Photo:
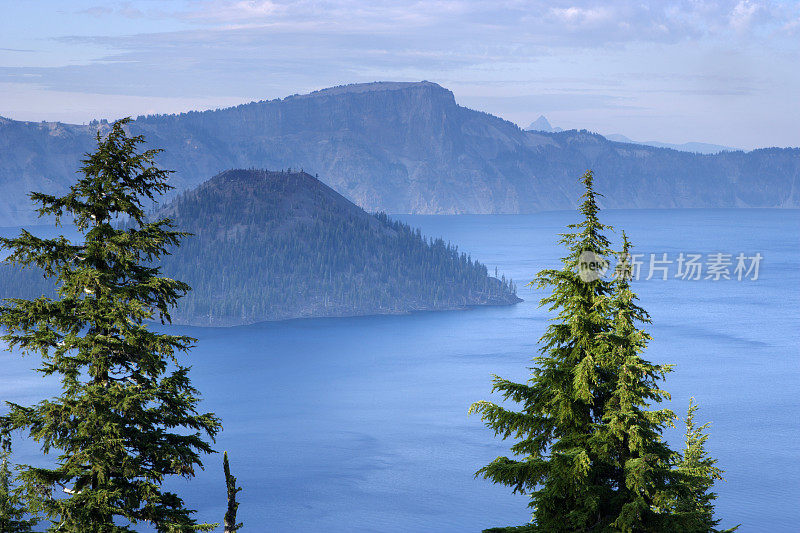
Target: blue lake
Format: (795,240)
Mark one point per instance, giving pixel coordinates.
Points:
(360,424)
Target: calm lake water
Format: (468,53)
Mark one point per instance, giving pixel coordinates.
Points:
(360,424)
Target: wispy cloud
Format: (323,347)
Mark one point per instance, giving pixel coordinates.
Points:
(558,20)
(123,9)
(516,57)
(240,46)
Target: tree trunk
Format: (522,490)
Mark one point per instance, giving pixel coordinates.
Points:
(230,481)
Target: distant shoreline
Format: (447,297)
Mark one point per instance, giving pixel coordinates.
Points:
(178,322)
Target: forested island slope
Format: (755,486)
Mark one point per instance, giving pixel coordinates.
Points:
(277,245)
(280,245)
(406,148)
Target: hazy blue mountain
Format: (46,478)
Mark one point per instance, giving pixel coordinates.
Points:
(697,147)
(407,148)
(542,124)
(279,245)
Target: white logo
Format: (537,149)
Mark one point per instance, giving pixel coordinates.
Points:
(591,266)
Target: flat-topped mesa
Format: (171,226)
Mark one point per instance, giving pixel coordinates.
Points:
(376,86)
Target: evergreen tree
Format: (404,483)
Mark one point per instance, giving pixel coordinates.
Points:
(12,514)
(630,436)
(694,502)
(589,449)
(126,416)
(560,464)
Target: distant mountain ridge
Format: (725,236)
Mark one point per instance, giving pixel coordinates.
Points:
(406,148)
(697,147)
(542,124)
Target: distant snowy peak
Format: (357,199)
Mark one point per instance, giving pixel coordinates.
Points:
(542,124)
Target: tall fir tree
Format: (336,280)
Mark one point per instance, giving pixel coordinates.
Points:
(563,402)
(127,415)
(589,447)
(694,500)
(630,435)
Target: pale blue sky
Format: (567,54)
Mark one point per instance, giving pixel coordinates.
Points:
(725,71)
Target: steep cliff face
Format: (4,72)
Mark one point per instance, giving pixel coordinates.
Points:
(408,148)
(372,143)
(37,156)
